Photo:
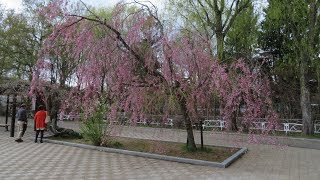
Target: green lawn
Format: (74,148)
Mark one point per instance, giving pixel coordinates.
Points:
(300,135)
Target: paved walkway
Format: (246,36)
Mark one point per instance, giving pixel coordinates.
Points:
(28,160)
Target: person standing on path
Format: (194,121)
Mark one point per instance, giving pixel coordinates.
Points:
(22,122)
(39,120)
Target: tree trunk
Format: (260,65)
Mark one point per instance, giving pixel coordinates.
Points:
(62,83)
(232,126)
(218,26)
(7,111)
(305,61)
(190,138)
(53,111)
(53,126)
(305,98)
(220,46)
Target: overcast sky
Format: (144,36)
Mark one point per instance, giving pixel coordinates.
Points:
(17,4)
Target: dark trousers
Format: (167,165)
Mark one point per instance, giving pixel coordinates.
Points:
(37,134)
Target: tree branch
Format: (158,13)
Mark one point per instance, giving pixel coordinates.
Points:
(238,9)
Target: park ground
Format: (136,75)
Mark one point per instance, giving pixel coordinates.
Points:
(28,160)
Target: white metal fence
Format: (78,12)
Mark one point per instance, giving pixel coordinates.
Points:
(286,125)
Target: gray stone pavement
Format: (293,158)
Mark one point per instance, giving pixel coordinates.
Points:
(28,160)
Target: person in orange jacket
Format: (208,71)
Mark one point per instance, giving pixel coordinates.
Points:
(39,120)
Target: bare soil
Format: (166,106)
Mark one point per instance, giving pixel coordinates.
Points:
(209,153)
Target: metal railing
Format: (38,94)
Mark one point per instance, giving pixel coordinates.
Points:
(317,128)
(286,125)
(213,124)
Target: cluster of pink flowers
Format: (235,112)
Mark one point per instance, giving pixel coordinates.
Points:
(130,58)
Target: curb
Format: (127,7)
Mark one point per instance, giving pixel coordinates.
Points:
(224,164)
(234,157)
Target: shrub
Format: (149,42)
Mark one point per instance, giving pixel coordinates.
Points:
(93,127)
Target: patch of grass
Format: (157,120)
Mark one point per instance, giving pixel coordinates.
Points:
(114,144)
(72,139)
(298,135)
(209,153)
